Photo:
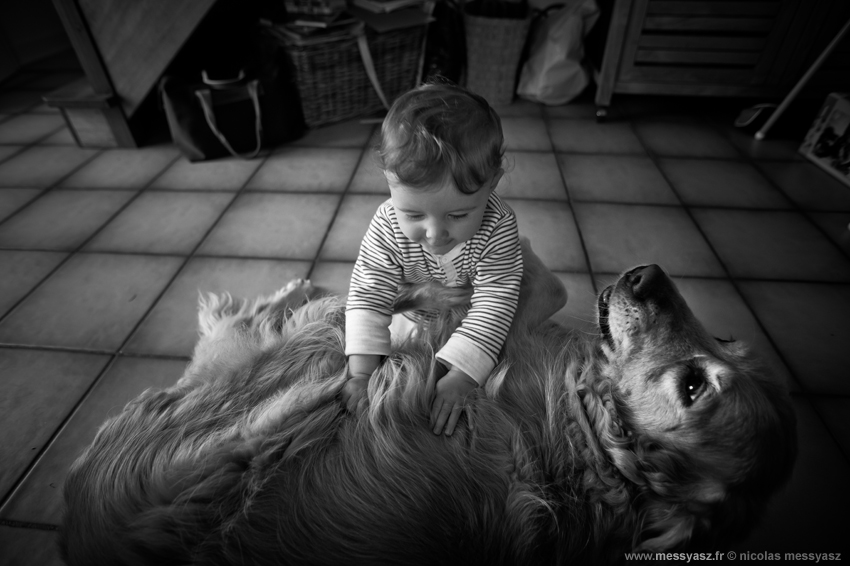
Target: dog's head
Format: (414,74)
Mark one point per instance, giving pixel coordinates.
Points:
(714,434)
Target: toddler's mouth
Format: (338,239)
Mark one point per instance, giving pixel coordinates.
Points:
(439,248)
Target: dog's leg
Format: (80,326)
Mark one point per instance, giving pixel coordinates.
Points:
(541,293)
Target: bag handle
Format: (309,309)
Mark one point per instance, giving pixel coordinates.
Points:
(205,97)
(366,55)
(220,83)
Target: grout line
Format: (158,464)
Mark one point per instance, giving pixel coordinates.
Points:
(114,356)
(808,394)
(86,241)
(804,212)
(363,154)
(59,265)
(571,204)
(54,435)
(655,159)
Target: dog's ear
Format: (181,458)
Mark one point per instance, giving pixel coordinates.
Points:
(671,503)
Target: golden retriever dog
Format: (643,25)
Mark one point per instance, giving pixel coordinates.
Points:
(651,436)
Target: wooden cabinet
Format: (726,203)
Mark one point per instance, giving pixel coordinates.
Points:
(721,47)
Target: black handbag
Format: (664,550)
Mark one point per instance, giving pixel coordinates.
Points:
(209,119)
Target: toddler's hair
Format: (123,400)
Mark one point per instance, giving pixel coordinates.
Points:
(439,131)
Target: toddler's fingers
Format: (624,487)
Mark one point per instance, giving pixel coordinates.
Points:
(436,403)
(445,411)
(455,415)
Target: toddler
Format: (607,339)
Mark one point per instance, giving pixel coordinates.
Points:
(441,152)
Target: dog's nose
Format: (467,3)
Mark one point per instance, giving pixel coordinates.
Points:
(645,280)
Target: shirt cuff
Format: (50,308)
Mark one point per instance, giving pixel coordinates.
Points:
(367,332)
(468,357)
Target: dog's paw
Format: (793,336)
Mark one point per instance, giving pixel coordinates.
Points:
(294,293)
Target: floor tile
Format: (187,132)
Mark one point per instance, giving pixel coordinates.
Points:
(39,497)
(654,107)
(723,312)
(526,134)
(550,227)
(666,138)
(588,136)
(532,175)
(772,245)
(349,227)
(171,329)
(40,388)
(620,236)
(9,150)
(836,225)
(162,222)
(584,111)
(272,225)
(809,186)
(217,175)
(62,136)
(519,108)
(332,277)
(580,311)
(767,149)
(351,133)
(809,515)
(122,168)
(834,411)
(14,101)
(369,178)
(93,301)
(42,166)
(29,128)
(808,324)
(29,546)
(705,167)
(61,220)
(621,178)
(21,271)
(13,199)
(721,183)
(307,169)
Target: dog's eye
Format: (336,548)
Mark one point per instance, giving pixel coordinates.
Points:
(692,385)
(724,341)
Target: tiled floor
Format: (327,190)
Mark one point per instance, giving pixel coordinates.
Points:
(103,254)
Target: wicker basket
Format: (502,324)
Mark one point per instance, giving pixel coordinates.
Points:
(332,81)
(493,50)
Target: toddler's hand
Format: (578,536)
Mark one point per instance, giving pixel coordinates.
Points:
(354,390)
(450,399)
(360,368)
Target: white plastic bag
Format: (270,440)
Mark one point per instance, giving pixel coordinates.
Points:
(553,73)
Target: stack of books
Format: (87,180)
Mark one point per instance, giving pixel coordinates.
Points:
(385,6)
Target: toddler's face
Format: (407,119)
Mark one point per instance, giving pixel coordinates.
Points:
(440,218)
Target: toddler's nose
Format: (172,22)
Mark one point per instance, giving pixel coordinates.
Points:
(435,232)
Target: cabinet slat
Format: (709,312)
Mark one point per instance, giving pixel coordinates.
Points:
(696,42)
(708,24)
(713,8)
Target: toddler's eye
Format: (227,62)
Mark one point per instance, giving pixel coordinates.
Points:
(458,216)
(413,216)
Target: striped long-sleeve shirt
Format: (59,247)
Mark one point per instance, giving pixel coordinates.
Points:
(491,261)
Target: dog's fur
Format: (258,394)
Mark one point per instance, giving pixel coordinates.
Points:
(652,435)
